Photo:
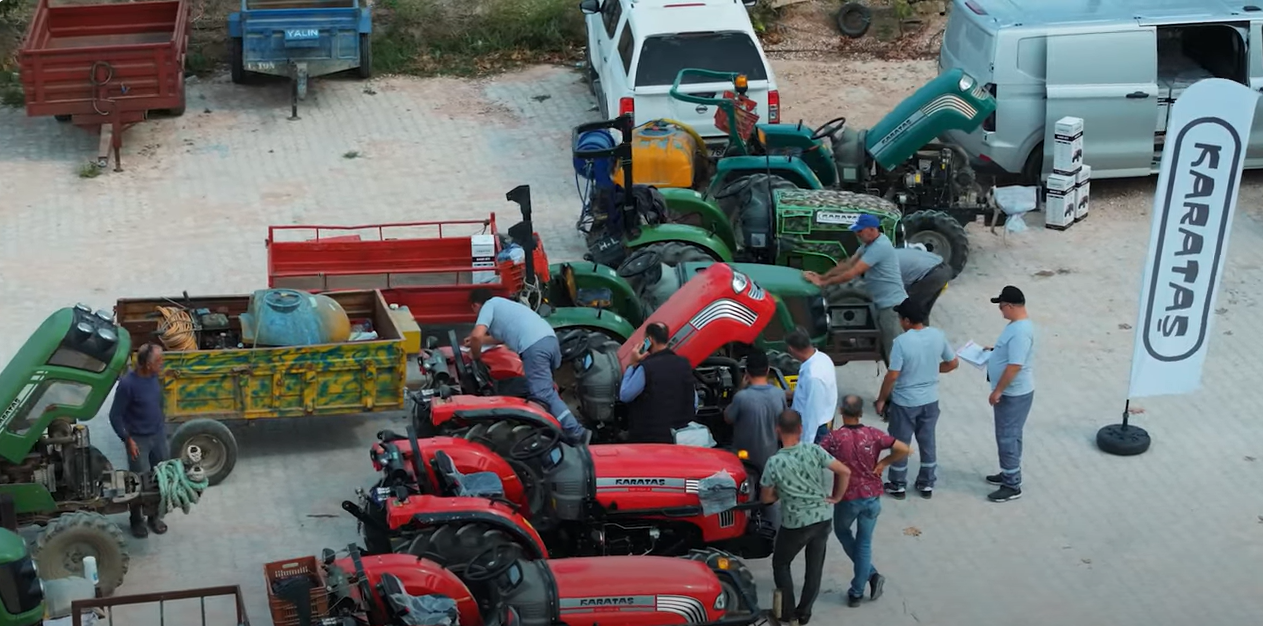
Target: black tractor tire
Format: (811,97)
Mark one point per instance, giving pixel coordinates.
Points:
(1033,169)
(941,234)
(218,445)
(672,254)
(1120,440)
(453,545)
(500,437)
(60,549)
(853,20)
(851,292)
(788,365)
(365,70)
(735,607)
(237,65)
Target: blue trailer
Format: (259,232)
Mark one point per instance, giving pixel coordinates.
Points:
(298,39)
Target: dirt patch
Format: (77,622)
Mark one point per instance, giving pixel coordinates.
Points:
(809,31)
(863,91)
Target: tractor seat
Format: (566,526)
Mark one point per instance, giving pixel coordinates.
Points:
(475,485)
(409,610)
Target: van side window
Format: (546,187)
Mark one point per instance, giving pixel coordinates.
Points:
(611,11)
(1032,57)
(627,46)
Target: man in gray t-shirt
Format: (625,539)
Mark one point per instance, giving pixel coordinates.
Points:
(924,276)
(877,262)
(523,331)
(754,410)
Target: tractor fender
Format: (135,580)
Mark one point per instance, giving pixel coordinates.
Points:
(30,498)
(794,170)
(690,207)
(605,322)
(418,577)
(588,275)
(540,419)
(484,512)
(468,457)
(689,235)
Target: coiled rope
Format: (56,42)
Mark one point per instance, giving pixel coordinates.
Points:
(176,330)
(179,488)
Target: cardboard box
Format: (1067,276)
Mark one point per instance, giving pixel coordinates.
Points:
(1059,202)
(483,250)
(408,326)
(1068,146)
(1082,189)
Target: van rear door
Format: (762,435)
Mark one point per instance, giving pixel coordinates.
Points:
(1254,151)
(1107,76)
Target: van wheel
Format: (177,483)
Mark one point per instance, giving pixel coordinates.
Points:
(1033,170)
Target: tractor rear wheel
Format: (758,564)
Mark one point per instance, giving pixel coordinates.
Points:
(453,545)
(671,253)
(60,549)
(788,365)
(941,234)
(500,437)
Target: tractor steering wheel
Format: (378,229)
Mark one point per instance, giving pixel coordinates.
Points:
(535,444)
(572,343)
(640,263)
(472,375)
(830,128)
(491,563)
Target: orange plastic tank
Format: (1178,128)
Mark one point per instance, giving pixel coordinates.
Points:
(664,154)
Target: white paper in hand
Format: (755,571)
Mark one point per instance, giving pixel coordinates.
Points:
(974,354)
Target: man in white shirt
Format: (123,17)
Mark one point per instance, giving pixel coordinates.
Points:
(815,397)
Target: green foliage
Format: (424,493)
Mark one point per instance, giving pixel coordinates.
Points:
(427,36)
(11,90)
(763,17)
(903,9)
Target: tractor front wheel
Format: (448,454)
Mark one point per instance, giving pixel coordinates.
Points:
(941,234)
(60,549)
(210,439)
(733,601)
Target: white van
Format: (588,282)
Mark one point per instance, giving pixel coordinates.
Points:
(1117,64)
(637,47)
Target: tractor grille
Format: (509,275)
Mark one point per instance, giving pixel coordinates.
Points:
(572,489)
(727,519)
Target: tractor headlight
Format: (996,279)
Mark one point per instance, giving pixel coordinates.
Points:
(966,82)
(739,282)
(721,603)
(744,489)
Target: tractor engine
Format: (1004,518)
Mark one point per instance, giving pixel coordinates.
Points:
(597,376)
(937,177)
(65,463)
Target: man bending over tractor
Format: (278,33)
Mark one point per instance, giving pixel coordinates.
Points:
(523,331)
(877,262)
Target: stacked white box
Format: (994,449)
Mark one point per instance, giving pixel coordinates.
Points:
(482,248)
(1082,186)
(1068,146)
(1059,202)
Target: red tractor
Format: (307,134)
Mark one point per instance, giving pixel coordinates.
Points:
(549,497)
(497,587)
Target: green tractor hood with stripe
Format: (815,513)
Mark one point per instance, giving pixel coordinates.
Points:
(953,101)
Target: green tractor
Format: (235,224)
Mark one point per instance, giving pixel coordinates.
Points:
(22,598)
(741,206)
(55,477)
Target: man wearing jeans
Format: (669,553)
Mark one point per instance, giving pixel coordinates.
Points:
(918,356)
(138,419)
(858,447)
(523,331)
(1012,391)
(792,477)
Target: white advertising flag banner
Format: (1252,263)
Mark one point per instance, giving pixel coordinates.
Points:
(1193,207)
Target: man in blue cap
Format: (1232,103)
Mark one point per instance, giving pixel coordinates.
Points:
(877,262)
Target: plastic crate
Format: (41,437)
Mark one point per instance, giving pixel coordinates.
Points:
(283,612)
(746,116)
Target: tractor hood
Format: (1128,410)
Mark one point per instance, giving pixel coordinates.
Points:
(613,585)
(660,467)
(782,282)
(953,101)
(716,307)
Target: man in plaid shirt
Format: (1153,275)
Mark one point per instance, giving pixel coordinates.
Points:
(858,447)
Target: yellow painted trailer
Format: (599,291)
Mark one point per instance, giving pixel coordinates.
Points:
(225,378)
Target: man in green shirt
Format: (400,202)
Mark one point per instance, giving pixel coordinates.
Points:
(793,476)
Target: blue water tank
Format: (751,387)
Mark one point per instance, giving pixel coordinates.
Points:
(288,317)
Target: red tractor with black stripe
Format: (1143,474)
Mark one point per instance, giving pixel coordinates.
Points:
(498,586)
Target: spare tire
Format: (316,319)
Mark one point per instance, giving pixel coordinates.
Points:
(853,20)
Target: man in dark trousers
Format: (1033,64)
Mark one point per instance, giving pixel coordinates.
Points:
(139,422)
(658,389)
(792,477)
(925,274)
(754,409)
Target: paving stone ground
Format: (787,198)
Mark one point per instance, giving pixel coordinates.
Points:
(1171,537)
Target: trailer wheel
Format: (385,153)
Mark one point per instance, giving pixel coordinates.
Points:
(60,549)
(238,64)
(854,19)
(365,70)
(216,443)
(62,118)
(941,234)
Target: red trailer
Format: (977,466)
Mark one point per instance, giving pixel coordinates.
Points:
(105,65)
